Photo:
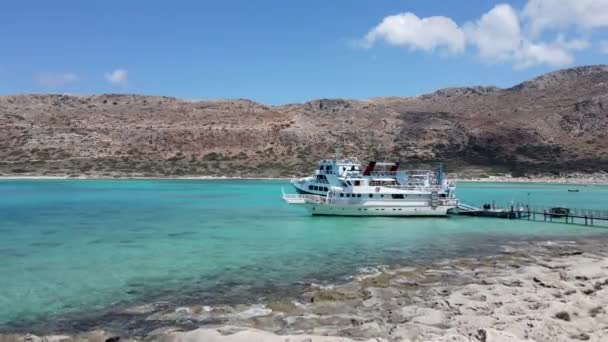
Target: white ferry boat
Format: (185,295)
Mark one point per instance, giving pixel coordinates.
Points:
(393,192)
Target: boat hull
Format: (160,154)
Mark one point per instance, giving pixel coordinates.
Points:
(321,209)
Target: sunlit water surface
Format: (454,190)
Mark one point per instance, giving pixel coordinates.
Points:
(71,246)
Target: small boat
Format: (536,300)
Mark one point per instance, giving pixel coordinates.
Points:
(559,211)
(573,190)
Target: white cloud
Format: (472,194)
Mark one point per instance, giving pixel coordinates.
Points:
(604,46)
(56,79)
(533,54)
(573,44)
(502,35)
(117,77)
(496,35)
(550,15)
(427,34)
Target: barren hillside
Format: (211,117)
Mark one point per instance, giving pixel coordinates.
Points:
(554,123)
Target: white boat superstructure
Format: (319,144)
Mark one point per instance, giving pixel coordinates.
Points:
(381,193)
(327,175)
(336,172)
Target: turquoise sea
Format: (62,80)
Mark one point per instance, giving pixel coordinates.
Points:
(69,247)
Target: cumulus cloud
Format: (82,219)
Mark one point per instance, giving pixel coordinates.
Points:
(604,46)
(502,35)
(117,77)
(573,44)
(498,37)
(533,54)
(56,79)
(549,15)
(497,34)
(427,34)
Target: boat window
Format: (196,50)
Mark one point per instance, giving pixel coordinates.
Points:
(341,195)
(397,196)
(316,188)
(371,195)
(357,183)
(381,195)
(358,195)
(347,195)
(325,189)
(310,187)
(349,183)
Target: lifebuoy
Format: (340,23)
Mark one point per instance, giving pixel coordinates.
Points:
(377,189)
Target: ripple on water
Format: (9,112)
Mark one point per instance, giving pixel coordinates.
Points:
(181,234)
(12,253)
(244,250)
(46,244)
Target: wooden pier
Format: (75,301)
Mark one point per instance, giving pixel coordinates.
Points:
(587,217)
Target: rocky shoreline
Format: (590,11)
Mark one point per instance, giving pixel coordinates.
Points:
(532,291)
(599,178)
(575,179)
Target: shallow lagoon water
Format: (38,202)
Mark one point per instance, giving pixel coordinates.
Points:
(72,246)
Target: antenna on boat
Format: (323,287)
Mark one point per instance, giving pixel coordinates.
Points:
(338,153)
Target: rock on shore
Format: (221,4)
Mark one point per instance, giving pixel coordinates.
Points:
(554,291)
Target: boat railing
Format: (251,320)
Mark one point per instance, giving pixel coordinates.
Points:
(383,173)
(416,187)
(303,198)
(356,201)
(448,201)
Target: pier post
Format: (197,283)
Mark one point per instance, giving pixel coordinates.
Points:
(585,220)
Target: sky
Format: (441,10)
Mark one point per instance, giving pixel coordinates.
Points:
(281,51)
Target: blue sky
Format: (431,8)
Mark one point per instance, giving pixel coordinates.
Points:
(278,51)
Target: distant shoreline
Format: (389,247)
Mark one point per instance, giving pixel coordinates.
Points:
(597,179)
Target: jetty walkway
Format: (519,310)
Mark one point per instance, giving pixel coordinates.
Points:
(587,217)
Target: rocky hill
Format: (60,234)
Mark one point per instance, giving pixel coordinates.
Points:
(557,122)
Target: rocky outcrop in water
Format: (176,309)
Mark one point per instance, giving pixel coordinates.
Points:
(554,123)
